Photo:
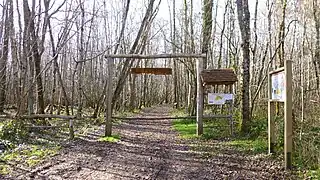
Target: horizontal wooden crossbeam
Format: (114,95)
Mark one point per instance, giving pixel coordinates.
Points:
(155,56)
(37,116)
(168,117)
(156,71)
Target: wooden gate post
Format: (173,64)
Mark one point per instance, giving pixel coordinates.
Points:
(71,130)
(271,118)
(108,112)
(285,89)
(199,97)
(288,115)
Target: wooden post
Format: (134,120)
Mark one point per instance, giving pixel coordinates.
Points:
(199,97)
(271,126)
(288,115)
(71,130)
(108,112)
(271,118)
(230,109)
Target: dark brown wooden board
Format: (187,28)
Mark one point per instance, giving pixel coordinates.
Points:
(156,71)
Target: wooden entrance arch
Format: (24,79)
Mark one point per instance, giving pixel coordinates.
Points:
(199,58)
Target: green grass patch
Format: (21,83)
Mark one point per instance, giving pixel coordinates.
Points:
(4,169)
(309,174)
(112,139)
(187,129)
(258,145)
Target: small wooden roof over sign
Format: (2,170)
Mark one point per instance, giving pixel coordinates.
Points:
(156,71)
(218,77)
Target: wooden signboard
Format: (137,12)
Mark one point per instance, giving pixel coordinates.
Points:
(218,77)
(280,90)
(156,71)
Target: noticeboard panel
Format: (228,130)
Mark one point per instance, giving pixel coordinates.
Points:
(219,98)
(278,86)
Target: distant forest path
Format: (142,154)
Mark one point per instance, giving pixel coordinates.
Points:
(151,149)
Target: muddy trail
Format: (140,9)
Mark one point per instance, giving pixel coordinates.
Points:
(151,149)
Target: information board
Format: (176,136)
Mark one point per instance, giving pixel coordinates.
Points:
(219,98)
(278,86)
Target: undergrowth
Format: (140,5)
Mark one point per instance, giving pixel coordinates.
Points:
(25,156)
(306,146)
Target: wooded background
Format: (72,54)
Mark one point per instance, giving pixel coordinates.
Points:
(52,56)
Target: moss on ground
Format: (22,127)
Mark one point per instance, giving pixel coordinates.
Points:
(112,139)
(26,156)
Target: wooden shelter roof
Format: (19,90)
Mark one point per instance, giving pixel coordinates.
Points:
(218,77)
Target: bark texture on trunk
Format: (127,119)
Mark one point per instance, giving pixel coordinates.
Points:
(244,24)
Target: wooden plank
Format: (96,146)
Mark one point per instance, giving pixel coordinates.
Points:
(275,100)
(155,56)
(288,116)
(200,93)
(156,71)
(218,77)
(169,117)
(37,116)
(277,70)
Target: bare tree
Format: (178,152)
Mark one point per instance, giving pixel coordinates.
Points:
(244,24)
(134,49)
(206,27)
(316,59)
(4,40)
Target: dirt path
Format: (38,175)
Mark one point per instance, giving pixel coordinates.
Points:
(151,150)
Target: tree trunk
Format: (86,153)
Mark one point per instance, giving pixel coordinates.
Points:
(27,57)
(4,55)
(206,28)
(316,59)
(134,49)
(36,57)
(222,34)
(244,24)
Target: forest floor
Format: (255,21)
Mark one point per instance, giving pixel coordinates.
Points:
(152,149)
